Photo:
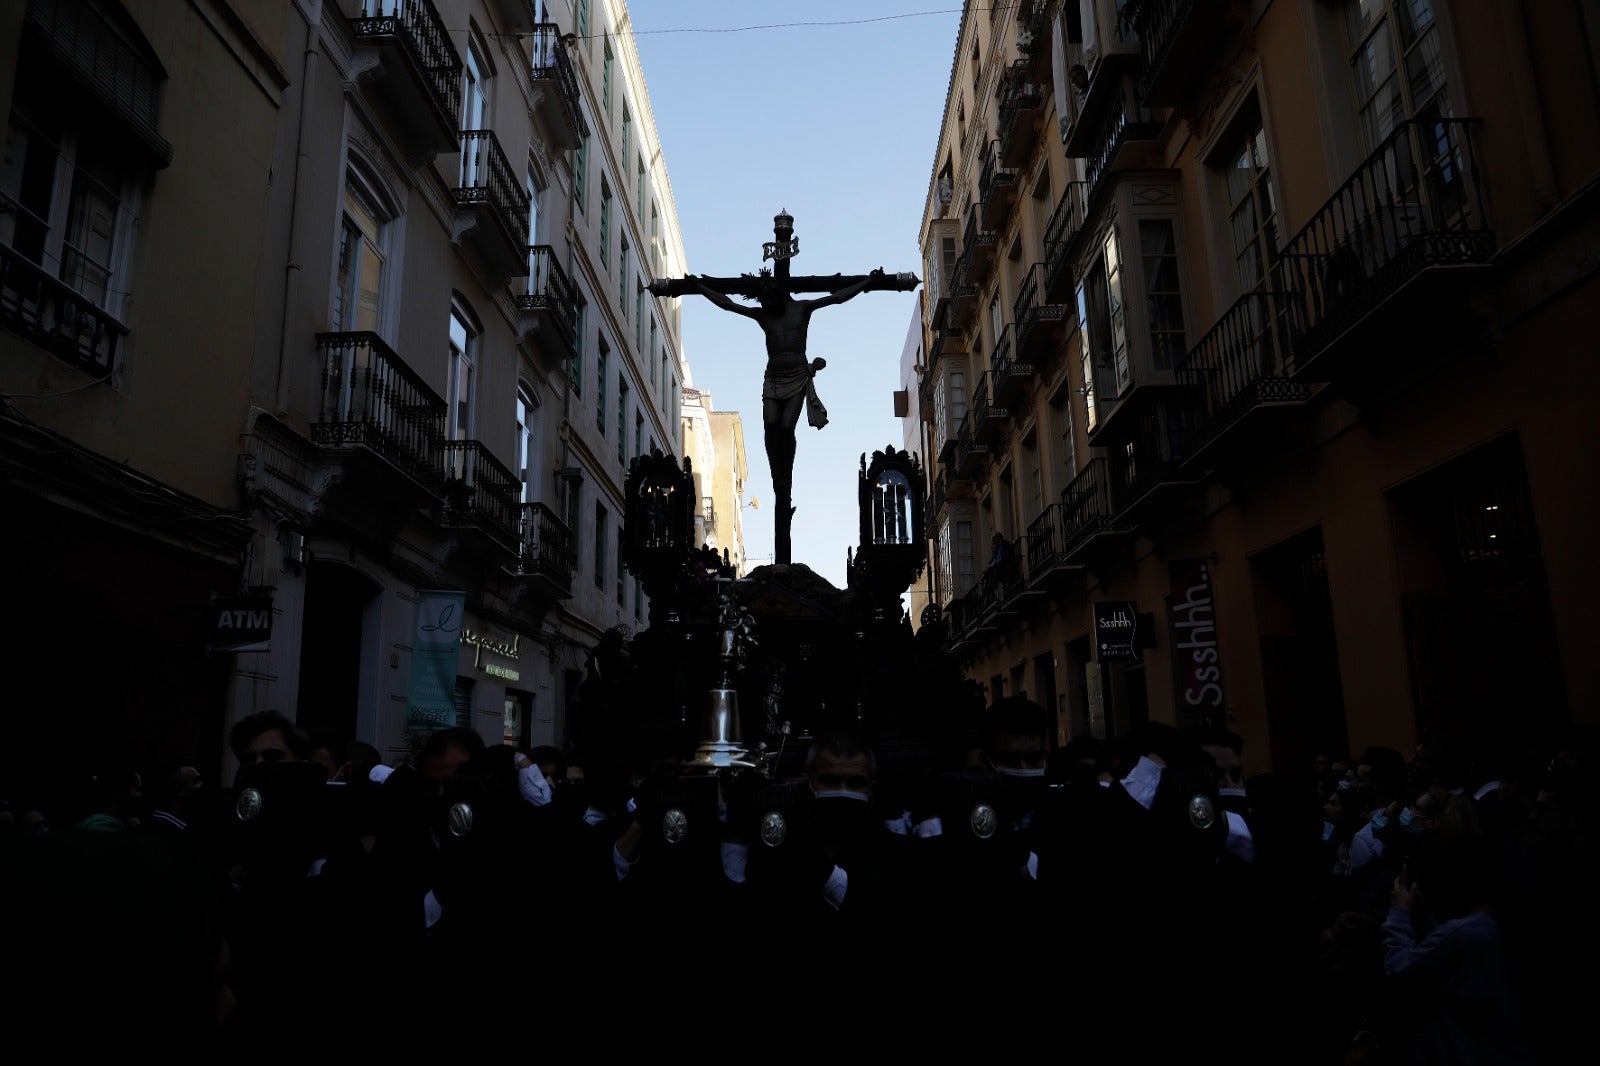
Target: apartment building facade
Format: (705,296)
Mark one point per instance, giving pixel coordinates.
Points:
(1255,331)
(714,443)
(345,323)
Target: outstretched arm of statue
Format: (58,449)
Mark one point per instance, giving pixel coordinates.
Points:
(720,299)
(849,292)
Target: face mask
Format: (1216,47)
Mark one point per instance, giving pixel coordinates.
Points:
(1230,792)
(1014,771)
(534,786)
(1380,820)
(1343,785)
(842,793)
(1408,823)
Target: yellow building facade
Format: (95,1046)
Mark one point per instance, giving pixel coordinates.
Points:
(1255,331)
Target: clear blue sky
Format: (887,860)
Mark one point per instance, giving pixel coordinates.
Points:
(837,124)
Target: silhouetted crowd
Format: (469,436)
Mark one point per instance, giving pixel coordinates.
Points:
(1145,898)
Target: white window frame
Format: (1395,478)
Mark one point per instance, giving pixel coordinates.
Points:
(53,254)
(462,374)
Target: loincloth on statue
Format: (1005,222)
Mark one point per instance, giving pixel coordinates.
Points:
(786,384)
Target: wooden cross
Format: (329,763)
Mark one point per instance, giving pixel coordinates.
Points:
(784,320)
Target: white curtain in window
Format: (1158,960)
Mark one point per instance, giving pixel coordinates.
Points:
(1058,64)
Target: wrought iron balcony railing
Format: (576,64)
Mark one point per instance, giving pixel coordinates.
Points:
(989,417)
(1121,124)
(552,64)
(546,547)
(977,247)
(1060,235)
(1011,375)
(925,393)
(1179,40)
(480,491)
(53,315)
(1037,318)
(1414,204)
(487,179)
(416,25)
(371,398)
(1089,508)
(1244,362)
(1046,542)
(1148,455)
(551,297)
(970,452)
(1000,584)
(1021,108)
(997,185)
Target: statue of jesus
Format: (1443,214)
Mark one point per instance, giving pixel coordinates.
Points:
(790,378)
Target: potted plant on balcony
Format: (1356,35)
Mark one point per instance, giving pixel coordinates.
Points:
(1025,42)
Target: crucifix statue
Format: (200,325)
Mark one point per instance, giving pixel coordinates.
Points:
(789,376)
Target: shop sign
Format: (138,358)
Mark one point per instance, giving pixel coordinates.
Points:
(241,623)
(1117,632)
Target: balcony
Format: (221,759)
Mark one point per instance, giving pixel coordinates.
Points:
(374,404)
(1048,566)
(925,395)
(545,559)
(977,248)
(1181,42)
(1111,70)
(515,16)
(1039,323)
(555,85)
(491,206)
(1091,513)
(978,622)
(947,341)
(961,484)
(997,186)
(404,51)
(1060,234)
(548,311)
(1146,464)
(989,419)
(1036,20)
(971,453)
(965,613)
(963,302)
(1021,115)
(1406,231)
(1238,376)
(939,496)
(708,513)
(51,314)
(1010,375)
(480,493)
(1103,148)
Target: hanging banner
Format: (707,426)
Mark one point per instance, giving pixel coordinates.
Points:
(435,649)
(1196,662)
